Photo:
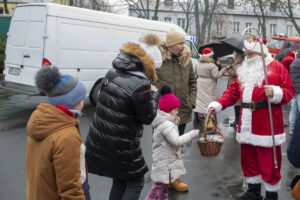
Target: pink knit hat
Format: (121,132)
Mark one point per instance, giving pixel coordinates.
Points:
(168,101)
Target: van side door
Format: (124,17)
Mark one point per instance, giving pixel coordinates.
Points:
(25,43)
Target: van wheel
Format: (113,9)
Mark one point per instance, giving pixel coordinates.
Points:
(94,93)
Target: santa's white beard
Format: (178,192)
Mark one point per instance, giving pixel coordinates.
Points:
(250,72)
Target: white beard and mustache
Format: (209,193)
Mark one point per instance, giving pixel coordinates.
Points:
(251,72)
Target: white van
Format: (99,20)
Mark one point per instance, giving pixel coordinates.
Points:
(78,41)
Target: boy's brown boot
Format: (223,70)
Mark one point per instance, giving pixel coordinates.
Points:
(179,186)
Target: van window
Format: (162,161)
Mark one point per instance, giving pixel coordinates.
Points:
(297,45)
(193,49)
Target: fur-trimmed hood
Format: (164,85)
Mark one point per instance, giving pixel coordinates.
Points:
(204,59)
(134,58)
(184,59)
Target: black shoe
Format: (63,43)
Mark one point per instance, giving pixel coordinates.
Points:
(234,124)
(271,196)
(250,196)
(253,193)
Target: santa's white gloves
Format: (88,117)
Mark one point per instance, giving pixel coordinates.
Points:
(194,133)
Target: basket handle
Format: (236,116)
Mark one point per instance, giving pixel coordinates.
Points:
(214,129)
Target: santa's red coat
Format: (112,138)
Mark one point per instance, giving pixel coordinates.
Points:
(254,126)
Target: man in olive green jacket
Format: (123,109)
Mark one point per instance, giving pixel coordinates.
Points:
(177,72)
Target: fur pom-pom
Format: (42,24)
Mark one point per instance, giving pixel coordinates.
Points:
(165,90)
(151,39)
(46,78)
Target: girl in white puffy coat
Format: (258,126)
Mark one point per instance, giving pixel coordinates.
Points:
(167,164)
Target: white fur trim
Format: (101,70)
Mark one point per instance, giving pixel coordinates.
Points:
(259,140)
(218,107)
(253,179)
(272,188)
(82,163)
(246,123)
(277,94)
(246,136)
(207,55)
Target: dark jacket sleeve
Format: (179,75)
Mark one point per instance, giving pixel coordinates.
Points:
(293,149)
(145,104)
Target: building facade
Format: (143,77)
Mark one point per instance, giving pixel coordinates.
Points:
(228,20)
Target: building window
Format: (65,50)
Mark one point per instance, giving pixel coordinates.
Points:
(219,28)
(168,19)
(273,29)
(181,22)
(248,25)
(1,10)
(259,27)
(154,19)
(289,30)
(236,27)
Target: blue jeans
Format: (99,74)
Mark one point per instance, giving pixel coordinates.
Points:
(295,107)
(86,189)
(126,189)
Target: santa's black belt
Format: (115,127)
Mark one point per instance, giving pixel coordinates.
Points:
(256,105)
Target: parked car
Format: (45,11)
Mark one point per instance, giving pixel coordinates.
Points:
(229,59)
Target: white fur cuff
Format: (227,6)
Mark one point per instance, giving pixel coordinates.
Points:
(277,94)
(272,188)
(259,140)
(253,179)
(216,105)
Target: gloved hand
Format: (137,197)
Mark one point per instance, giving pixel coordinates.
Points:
(194,133)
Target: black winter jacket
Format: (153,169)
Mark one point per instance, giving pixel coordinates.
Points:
(293,149)
(295,73)
(124,105)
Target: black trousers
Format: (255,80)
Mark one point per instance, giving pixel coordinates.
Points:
(181,129)
(126,189)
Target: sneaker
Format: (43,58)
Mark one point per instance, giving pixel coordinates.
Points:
(179,186)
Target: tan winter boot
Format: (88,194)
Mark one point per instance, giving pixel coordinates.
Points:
(179,186)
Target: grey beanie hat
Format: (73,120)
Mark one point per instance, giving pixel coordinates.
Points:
(60,89)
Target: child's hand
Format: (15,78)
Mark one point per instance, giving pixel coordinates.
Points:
(194,133)
(153,88)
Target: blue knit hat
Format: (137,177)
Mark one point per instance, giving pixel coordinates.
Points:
(60,90)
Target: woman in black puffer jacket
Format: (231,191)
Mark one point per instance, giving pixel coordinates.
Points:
(124,105)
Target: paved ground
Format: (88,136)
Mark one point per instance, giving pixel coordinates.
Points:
(217,178)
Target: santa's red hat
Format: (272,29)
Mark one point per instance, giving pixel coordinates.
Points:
(207,52)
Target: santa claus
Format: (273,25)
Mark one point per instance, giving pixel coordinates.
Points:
(254,129)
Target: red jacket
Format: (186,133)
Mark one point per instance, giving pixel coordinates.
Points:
(287,61)
(254,126)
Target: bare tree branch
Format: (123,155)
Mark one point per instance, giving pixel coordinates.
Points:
(260,14)
(5,7)
(187,8)
(138,7)
(155,17)
(287,7)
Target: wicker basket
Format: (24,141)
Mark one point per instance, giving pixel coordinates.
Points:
(208,145)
